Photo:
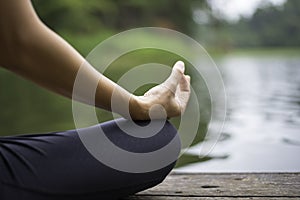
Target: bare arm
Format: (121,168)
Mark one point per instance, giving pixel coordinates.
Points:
(32,50)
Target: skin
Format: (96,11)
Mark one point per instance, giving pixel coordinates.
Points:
(29,48)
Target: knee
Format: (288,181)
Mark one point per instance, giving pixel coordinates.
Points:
(141,162)
(136,147)
(144,136)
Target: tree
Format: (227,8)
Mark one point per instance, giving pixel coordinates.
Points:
(81,16)
(270,26)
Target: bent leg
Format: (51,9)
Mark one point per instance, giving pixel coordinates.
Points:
(58,166)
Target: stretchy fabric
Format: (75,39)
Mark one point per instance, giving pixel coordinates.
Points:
(58,166)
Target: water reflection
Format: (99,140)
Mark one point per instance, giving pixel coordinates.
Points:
(263,122)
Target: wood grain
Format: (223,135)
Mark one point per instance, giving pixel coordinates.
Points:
(225,186)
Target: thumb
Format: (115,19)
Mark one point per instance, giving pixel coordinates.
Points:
(175,77)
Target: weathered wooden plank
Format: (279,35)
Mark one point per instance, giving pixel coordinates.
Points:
(206,198)
(227,185)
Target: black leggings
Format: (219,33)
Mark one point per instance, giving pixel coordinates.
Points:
(58,166)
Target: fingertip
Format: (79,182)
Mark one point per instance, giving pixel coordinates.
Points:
(188,78)
(176,76)
(180,65)
(179,62)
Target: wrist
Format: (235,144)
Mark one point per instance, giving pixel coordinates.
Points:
(138,108)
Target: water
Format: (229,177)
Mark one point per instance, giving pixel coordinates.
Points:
(262,129)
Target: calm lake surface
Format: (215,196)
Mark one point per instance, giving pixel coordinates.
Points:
(262,129)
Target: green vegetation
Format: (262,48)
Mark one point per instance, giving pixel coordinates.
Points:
(85,23)
(77,16)
(27,108)
(270,27)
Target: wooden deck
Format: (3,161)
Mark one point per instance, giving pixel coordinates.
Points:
(226,186)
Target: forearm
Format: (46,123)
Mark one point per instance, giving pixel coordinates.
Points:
(45,58)
(52,63)
(32,50)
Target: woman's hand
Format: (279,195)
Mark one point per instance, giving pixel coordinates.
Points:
(166,100)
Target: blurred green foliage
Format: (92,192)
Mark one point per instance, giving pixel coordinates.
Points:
(80,16)
(85,23)
(270,26)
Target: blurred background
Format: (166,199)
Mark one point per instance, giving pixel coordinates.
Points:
(255,44)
